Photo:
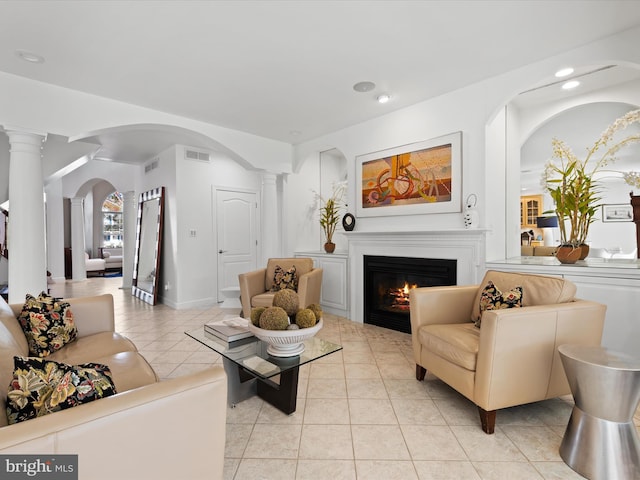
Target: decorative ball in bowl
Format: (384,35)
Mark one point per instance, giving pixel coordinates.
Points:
(285,343)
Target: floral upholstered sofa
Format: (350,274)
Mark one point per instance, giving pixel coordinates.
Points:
(140,428)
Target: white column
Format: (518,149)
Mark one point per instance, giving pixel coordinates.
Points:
(130,214)
(26,230)
(270,218)
(79,270)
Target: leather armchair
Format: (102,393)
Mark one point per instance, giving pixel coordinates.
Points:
(255,287)
(512,359)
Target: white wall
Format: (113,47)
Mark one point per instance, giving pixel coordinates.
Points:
(188,276)
(164,176)
(469,110)
(465,110)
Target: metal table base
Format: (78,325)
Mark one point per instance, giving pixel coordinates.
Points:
(601,441)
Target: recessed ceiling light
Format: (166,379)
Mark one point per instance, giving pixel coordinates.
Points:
(364,87)
(295,133)
(383,98)
(29,56)
(571,84)
(563,72)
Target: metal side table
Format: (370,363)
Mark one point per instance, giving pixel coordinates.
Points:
(601,441)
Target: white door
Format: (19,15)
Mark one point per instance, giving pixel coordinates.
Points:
(237,239)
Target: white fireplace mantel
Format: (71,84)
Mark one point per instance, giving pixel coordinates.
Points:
(467,246)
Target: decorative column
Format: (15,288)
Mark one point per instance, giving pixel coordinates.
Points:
(78,270)
(270,217)
(129,215)
(26,229)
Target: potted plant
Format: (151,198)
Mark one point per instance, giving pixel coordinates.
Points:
(330,215)
(571,184)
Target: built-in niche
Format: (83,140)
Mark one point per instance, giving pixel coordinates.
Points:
(332,174)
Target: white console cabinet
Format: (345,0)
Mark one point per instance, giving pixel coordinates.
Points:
(334,297)
(616,283)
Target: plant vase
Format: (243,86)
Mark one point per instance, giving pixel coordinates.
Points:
(329,247)
(584,251)
(568,254)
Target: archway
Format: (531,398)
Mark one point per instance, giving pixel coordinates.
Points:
(513,124)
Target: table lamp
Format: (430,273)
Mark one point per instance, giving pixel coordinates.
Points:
(547,224)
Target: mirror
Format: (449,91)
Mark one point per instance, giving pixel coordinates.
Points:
(146,269)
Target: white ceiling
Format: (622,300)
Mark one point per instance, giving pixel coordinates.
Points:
(273,68)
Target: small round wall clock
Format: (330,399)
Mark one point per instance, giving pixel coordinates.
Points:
(348,222)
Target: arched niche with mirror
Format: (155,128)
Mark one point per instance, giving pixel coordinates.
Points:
(146,269)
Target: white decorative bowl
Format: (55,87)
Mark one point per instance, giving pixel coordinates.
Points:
(285,343)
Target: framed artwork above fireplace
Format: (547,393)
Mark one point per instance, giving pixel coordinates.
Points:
(419,178)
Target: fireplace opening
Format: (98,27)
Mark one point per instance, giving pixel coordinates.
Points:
(388,280)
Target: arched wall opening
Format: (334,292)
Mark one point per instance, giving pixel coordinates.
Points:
(516,122)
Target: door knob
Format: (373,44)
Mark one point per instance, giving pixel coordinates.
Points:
(222,251)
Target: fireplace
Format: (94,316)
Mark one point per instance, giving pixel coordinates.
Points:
(388,280)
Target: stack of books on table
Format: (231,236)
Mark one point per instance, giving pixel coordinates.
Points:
(232,330)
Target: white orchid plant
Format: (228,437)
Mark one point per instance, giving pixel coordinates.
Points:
(570,181)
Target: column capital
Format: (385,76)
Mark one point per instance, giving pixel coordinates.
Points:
(269,178)
(76,200)
(14,129)
(21,140)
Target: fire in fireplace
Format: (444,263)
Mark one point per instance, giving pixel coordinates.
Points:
(388,281)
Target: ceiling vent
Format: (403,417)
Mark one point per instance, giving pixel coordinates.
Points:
(196,155)
(152,165)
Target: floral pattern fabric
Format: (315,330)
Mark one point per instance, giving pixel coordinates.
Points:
(493,299)
(285,279)
(47,323)
(40,387)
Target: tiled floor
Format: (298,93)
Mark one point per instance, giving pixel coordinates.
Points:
(361,414)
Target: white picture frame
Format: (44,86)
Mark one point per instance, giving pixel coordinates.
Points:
(413,179)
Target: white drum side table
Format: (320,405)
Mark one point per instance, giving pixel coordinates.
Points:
(601,441)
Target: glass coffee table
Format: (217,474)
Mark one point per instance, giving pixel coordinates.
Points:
(251,370)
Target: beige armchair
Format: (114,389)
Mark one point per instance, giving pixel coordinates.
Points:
(256,286)
(162,430)
(512,358)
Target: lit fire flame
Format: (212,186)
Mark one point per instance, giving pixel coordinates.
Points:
(401,296)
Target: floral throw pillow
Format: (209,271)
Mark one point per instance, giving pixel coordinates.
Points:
(493,299)
(47,323)
(285,279)
(40,387)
